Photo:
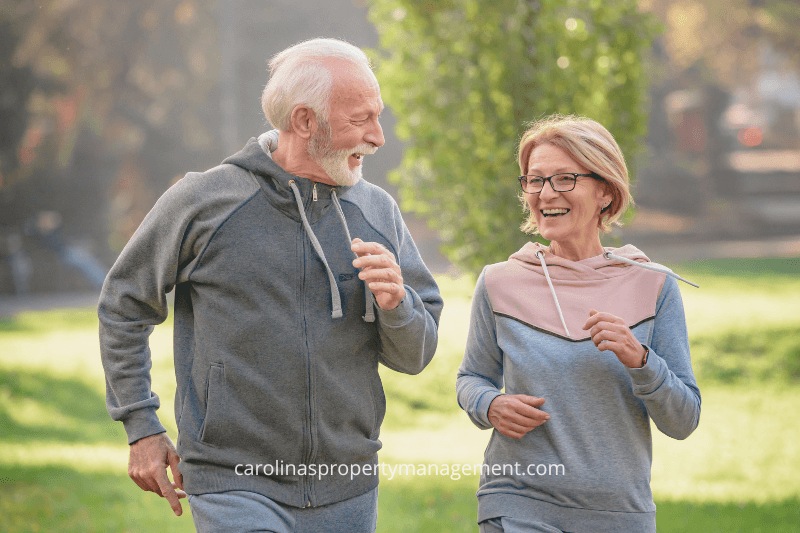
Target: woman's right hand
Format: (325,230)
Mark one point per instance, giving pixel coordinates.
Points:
(514,415)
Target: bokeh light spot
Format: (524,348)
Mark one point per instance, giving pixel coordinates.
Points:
(750,136)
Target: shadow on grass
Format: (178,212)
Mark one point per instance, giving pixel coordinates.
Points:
(38,406)
(754,356)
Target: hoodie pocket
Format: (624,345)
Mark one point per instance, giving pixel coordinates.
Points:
(378,405)
(211,428)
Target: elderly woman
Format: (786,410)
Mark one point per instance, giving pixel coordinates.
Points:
(590,344)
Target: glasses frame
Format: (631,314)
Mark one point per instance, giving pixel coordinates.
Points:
(523,181)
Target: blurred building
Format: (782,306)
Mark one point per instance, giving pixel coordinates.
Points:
(722,162)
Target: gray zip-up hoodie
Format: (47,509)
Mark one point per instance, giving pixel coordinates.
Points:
(269,371)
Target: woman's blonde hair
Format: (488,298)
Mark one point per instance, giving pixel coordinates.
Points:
(590,145)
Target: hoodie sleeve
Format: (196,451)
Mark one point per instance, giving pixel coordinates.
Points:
(161,253)
(409,332)
(666,384)
(480,377)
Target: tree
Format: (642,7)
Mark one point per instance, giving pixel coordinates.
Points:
(123,104)
(463,78)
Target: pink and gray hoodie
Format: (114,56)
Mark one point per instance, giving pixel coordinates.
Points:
(526,335)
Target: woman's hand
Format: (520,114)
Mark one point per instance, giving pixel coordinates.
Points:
(609,332)
(514,415)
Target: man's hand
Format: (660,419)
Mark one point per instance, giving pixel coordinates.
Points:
(610,332)
(147,467)
(381,272)
(514,415)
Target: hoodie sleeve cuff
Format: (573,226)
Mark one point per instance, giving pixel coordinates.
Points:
(142,423)
(482,410)
(649,377)
(400,315)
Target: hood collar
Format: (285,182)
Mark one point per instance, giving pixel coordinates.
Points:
(597,267)
(254,158)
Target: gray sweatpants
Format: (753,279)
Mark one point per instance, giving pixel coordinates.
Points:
(247,512)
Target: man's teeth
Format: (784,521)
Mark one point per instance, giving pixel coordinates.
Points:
(554,212)
(358,156)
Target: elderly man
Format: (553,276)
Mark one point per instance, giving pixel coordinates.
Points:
(293,279)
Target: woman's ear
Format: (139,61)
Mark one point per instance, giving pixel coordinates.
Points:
(605,196)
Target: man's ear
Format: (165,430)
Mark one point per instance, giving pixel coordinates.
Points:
(303,121)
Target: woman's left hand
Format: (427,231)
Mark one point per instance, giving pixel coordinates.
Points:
(610,332)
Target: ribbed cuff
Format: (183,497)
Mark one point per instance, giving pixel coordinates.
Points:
(400,315)
(482,411)
(648,378)
(142,423)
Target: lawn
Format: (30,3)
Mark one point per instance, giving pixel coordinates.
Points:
(63,461)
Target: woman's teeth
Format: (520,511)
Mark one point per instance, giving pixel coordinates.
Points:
(554,212)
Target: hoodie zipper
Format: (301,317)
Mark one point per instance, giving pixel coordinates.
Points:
(314,192)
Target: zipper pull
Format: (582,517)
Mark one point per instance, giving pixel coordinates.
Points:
(314,193)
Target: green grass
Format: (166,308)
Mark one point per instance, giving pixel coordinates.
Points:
(63,461)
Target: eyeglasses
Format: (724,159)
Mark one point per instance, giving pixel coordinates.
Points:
(565,182)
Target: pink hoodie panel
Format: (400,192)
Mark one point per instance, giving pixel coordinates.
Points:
(518,289)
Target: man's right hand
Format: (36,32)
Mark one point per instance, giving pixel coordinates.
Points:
(514,415)
(147,467)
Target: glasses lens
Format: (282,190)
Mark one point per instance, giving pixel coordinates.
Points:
(531,184)
(563,182)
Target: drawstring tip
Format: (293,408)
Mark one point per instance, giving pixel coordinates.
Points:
(337,313)
(369,317)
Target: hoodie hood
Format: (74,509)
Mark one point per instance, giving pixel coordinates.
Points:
(555,295)
(275,182)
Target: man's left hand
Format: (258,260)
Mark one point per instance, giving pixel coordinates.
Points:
(381,272)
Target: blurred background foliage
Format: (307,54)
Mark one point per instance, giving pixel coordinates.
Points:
(105,104)
(464,77)
(106,100)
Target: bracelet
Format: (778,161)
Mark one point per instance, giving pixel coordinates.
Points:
(646,353)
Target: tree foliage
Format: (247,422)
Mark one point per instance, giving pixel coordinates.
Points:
(463,78)
(726,36)
(123,102)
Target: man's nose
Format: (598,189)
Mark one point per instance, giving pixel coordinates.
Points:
(375,135)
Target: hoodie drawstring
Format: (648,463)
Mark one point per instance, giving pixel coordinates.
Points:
(369,298)
(540,255)
(648,266)
(269,143)
(336,300)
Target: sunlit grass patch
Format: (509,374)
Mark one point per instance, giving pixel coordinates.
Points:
(746,448)
(79,457)
(56,319)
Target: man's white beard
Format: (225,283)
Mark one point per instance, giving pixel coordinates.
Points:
(335,162)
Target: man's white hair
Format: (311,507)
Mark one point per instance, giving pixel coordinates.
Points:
(298,75)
